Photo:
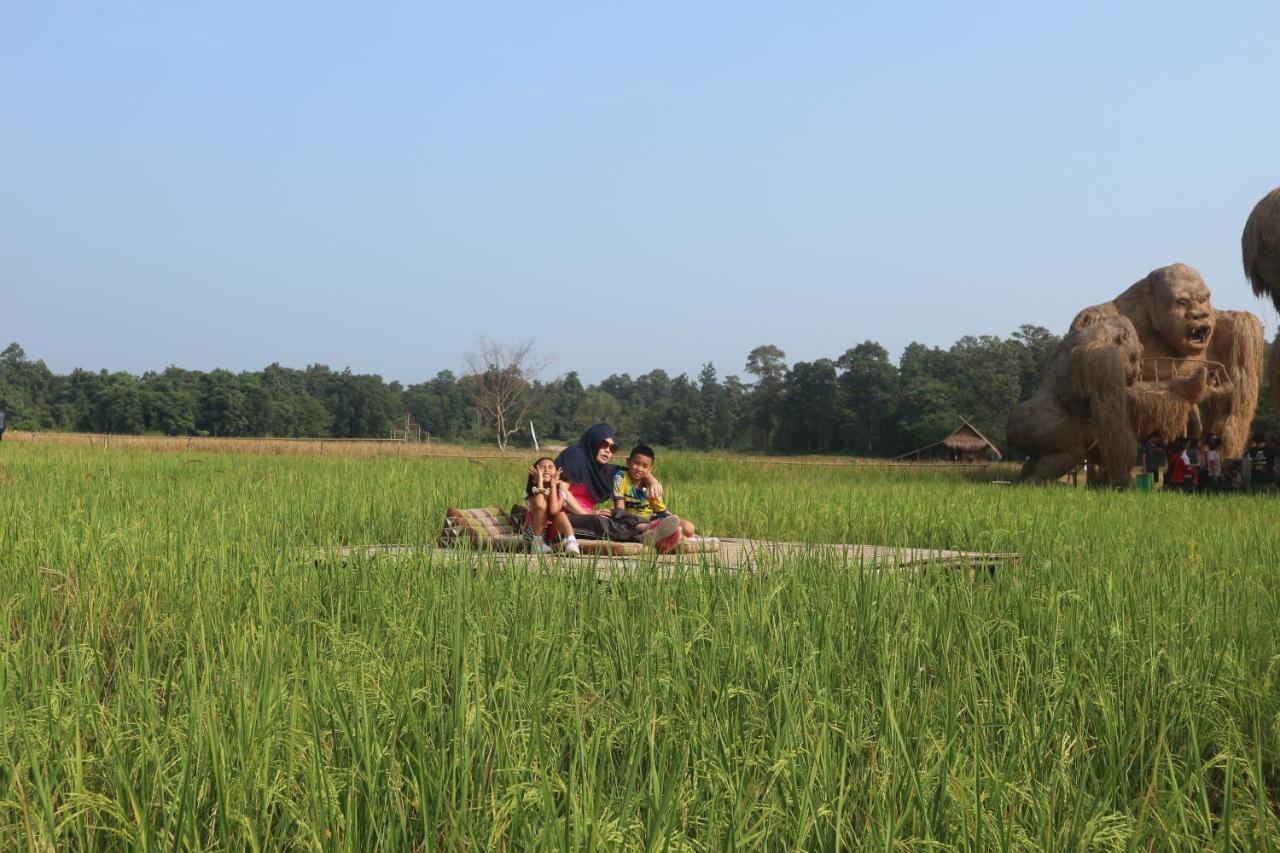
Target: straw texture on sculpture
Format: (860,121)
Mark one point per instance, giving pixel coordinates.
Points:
(1237,344)
(1093,404)
(1081,399)
(1179,328)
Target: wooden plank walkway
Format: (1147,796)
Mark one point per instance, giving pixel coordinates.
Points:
(734,556)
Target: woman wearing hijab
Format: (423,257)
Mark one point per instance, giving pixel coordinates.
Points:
(589,473)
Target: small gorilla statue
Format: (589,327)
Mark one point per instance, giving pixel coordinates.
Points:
(1178,329)
(1093,403)
(1260,248)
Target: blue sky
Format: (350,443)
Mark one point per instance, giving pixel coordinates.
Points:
(375,186)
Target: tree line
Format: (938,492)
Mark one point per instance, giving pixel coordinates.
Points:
(859,402)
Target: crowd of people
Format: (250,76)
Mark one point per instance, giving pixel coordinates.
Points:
(581,493)
(1197,465)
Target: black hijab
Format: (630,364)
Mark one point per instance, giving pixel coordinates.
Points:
(580,465)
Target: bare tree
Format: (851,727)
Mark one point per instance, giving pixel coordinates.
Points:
(499,376)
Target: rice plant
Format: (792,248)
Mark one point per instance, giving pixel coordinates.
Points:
(181,671)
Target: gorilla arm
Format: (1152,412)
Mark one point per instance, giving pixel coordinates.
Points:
(1168,408)
(1237,343)
(1098,374)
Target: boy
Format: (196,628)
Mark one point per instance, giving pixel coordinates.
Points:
(659,525)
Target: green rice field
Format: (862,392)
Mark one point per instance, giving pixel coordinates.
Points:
(180,671)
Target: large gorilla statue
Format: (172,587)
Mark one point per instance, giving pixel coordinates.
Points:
(1179,329)
(1260,245)
(1093,403)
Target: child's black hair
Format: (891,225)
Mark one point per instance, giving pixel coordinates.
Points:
(531,484)
(643,450)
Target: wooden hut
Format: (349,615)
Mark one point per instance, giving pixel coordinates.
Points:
(965,444)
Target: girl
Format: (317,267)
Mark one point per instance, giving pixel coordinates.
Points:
(546,499)
(1179,476)
(1214,462)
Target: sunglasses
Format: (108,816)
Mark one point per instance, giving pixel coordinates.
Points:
(610,445)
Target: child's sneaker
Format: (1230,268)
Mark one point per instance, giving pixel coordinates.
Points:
(537,546)
(571,548)
(663,534)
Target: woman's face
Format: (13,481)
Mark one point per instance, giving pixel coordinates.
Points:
(605,453)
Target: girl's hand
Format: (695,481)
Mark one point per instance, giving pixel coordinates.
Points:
(533,472)
(605,512)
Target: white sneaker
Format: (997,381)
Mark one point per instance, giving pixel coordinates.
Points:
(537,546)
(571,548)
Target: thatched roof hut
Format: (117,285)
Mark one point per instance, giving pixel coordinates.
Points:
(965,444)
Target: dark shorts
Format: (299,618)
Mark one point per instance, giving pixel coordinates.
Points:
(618,528)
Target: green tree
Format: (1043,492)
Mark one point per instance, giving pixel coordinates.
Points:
(223,408)
(119,405)
(868,399)
(27,389)
(599,406)
(988,381)
(657,417)
(623,391)
(76,398)
(170,401)
(737,426)
(1038,345)
(287,409)
(363,406)
(767,363)
(555,406)
(926,408)
(440,406)
(714,425)
(809,419)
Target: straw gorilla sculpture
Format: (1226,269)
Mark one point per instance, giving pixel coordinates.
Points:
(1136,365)
(1093,402)
(1260,247)
(1179,329)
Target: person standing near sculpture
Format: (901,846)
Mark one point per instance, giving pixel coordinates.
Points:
(1213,462)
(1153,456)
(1179,477)
(1273,458)
(1263,463)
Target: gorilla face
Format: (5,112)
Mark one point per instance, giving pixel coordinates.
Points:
(1180,309)
(1126,341)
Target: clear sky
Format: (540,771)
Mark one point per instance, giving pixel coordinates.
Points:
(374,186)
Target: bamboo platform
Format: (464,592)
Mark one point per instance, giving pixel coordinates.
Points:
(735,556)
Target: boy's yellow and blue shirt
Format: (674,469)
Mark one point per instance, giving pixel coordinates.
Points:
(635,499)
